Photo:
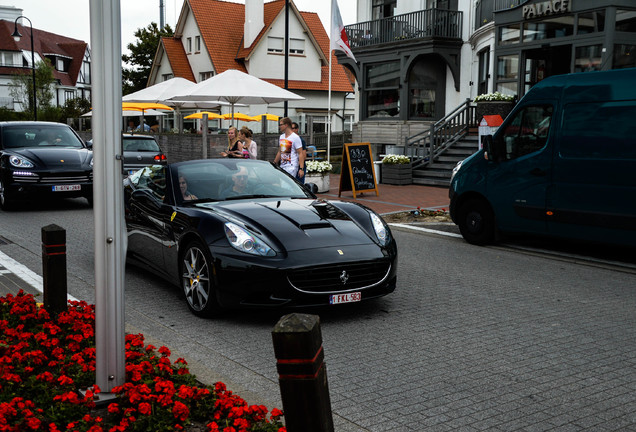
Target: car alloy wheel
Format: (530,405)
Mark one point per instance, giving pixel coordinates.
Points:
(197,280)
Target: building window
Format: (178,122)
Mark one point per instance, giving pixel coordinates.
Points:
(166,77)
(624,56)
(197,44)
(383,9)
(382,90)
(189,45)
(59,65)
(587,58)
(205,75)
(348,122)
(625,21)
(275,44)
(590,22)
(484,71)
(422,86)
(550,28)
(69,94)
(507,74)
(509,35)
(297,46)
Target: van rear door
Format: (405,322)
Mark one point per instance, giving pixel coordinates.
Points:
(518,181)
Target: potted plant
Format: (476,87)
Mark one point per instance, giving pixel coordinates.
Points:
(317,172)
(397,170)
(492,104)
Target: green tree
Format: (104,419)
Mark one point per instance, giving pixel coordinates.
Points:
(141,55)
(74,108)
(22,88)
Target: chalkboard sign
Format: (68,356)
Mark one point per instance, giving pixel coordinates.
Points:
(357,172)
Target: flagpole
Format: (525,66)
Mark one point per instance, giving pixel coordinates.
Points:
(329,94)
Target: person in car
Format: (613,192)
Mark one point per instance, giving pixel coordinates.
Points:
(183,187)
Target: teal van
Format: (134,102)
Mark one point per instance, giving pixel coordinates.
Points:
(562,164)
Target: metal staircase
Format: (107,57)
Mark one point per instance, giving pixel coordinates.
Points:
(435,152)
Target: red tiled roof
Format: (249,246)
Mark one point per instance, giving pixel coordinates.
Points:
(45,43)
(225,43)
(175,54)
(221,26)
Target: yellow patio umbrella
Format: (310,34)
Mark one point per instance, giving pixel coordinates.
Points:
(142,106)
(238,116)
(199,115)
(270,117)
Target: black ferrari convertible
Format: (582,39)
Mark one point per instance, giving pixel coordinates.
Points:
(236,232)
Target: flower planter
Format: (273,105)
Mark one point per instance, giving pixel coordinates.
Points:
(502,108)
(319,179)
(397,174)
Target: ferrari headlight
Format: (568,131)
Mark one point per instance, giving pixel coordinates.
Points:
(380,229)
(244,241)
(20,162)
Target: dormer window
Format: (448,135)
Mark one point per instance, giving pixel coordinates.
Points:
(275,45)
(297,46)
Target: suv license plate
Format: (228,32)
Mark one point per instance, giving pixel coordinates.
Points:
(66,188)
(345,298)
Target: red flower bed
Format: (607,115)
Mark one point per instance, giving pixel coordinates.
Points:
(44,361)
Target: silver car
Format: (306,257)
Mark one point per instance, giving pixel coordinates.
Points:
(139,151)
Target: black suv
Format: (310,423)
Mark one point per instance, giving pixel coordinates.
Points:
(43,159)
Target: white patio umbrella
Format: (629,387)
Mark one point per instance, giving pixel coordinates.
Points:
(160,92)
(235,87)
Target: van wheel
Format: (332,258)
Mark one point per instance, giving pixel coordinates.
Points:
(476,222)
(197,280)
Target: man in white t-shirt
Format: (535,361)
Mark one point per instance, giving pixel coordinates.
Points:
(290,148)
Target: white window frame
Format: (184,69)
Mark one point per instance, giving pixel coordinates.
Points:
(297,46)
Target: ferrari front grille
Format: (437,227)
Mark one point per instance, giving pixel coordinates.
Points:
(339,277)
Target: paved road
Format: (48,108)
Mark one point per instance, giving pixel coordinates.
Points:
(473,338)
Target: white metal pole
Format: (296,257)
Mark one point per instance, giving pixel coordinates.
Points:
(329,95)
(110,235)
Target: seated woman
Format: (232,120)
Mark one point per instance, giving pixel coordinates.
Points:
(183,187)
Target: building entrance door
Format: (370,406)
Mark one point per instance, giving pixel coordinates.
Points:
(541,63)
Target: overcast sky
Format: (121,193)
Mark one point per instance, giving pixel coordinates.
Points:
(71,18)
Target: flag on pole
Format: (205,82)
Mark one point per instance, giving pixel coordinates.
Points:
(339,39)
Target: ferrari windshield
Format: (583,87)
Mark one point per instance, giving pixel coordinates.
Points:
(230,179)
(44,135)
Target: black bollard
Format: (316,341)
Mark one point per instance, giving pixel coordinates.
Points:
(54,268)
(302,373)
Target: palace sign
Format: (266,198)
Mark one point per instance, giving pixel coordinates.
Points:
(550,7)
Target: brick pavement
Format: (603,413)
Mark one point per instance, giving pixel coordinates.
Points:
(393,198)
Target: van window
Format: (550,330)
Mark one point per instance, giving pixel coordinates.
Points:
(528,131)
(599,130)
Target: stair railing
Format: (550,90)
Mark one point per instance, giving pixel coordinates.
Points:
(423,148)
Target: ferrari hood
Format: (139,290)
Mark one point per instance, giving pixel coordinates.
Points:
(297,223)
(55,157)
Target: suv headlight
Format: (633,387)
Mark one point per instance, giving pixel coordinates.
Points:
(244,241)
(381,232)
(20,162)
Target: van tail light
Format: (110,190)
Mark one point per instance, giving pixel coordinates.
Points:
(160,158)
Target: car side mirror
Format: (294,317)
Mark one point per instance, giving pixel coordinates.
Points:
(89,145)
(493,148)
(312,187)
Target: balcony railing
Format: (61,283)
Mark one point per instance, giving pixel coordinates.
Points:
(436,23)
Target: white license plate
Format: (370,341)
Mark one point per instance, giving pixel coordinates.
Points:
(66,188)
(131,172)
(345,298)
